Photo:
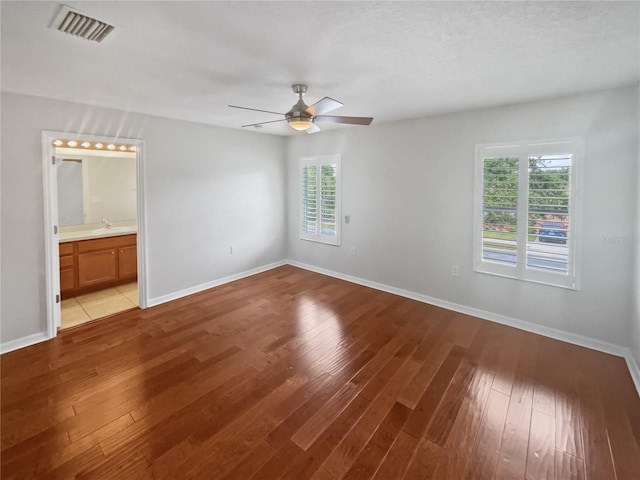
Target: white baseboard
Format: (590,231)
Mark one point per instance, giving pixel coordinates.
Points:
(634,370)
(23,342)
(214,283)
(562,335)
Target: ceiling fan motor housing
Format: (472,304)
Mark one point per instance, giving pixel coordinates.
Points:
(298,110)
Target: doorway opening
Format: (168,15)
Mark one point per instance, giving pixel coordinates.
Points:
(94,227)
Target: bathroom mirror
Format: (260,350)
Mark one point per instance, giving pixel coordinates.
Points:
(96,185)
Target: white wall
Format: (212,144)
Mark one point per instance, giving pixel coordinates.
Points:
(408,188)
(207,189)
(635,318)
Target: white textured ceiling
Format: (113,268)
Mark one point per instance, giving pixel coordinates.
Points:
(389,60)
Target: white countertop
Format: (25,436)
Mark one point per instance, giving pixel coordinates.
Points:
(86,232)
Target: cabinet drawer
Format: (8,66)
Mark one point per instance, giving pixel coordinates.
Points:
(65,248)
(105,243)
(66,262)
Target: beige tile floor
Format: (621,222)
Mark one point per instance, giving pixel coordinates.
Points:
(91,306)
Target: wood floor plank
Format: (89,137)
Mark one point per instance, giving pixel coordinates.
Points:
(544,400)
(314,427)
(542,447)
(437,353)
(512,460)
(376,448)
(252,462)
(426,406)
(350,446)
(223,450)
(376,398)
(231,382)
(397,460)
(382,384)
(597,452)
(446,413)
(507,362)
(569,467)
(486,449)
(308,464)
(568,426)
(625,452)
(425,461)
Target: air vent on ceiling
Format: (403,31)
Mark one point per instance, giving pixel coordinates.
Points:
(78,24)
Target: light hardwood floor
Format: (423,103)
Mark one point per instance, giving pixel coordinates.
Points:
(291,374)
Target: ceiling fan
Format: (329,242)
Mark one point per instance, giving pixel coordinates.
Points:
(303,117)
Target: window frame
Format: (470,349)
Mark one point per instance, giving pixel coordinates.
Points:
(319,161)
(524,150)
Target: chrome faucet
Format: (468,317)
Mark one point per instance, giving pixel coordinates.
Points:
(107,223)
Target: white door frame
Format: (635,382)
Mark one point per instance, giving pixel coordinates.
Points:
(51,237)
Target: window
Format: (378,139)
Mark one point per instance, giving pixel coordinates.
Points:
(320,199)
(526,201)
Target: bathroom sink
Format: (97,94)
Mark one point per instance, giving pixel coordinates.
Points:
(114,230)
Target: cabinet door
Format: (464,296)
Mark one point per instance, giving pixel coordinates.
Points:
(66,280)
(96,267)
(128,261)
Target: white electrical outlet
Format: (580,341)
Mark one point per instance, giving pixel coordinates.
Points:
(352,250)
(455,271)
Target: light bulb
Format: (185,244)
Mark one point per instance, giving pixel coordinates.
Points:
(85,144)
(99,146)
(111,146)
(72,143)
(301,123)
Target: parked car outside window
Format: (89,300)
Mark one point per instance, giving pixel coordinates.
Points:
(552,232)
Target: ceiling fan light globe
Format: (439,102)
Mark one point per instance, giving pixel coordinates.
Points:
(300,124)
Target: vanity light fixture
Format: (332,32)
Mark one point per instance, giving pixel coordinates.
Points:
(88,145)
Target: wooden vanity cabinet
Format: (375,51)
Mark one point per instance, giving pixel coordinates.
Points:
(98,263)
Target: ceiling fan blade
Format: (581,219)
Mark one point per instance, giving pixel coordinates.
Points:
(349,120)
(313,129)
(262,123)
(323,106)
(255,109)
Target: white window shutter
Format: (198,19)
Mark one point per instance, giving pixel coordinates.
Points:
(526,205)
(320,199)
